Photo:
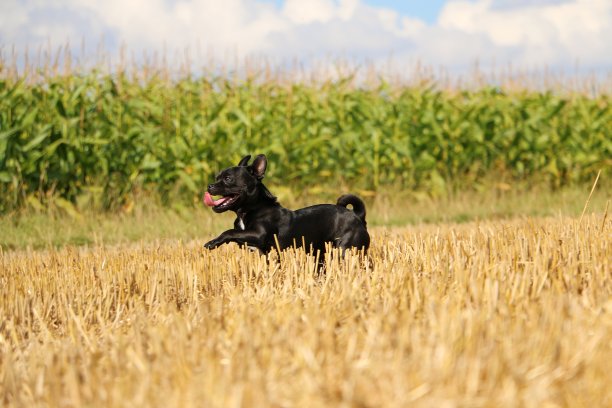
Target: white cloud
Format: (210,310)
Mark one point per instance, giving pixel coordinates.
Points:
(556,33)
(304,12)
(545,32)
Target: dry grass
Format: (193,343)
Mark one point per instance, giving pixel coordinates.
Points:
(504,313)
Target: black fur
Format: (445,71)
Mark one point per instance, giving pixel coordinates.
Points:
(260,218)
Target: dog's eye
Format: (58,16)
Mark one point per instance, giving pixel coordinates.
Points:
(228,179)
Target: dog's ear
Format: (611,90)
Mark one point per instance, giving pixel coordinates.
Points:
(259,166)
(245,160)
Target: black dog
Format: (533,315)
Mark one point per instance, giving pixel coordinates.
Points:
(261,220)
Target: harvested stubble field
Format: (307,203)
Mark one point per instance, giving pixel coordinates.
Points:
(495,313)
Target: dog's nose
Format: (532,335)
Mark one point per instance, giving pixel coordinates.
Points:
(210,186)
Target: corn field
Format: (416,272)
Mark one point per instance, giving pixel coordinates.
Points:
(96,138)
(513,313)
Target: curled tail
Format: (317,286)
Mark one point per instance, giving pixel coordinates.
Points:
(358,205)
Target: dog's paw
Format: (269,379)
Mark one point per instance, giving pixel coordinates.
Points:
(212,244)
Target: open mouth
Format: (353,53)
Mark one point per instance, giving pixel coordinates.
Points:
(219,203)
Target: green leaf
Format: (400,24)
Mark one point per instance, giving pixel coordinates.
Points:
(60,108)
(150,164)
(50,150)
(34,142)
(5,177)
(29,118)
(67,207)
(242,117)
(10,132)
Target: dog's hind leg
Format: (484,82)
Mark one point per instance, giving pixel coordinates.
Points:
(358,239)
(354,240)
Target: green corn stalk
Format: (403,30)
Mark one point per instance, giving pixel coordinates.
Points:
(70,136)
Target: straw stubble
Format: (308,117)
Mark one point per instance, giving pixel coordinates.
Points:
(482,314)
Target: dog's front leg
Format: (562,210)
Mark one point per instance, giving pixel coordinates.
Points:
(251,238)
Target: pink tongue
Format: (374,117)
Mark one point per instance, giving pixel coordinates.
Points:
(210,202)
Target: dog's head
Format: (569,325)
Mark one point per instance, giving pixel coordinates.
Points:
(236,185)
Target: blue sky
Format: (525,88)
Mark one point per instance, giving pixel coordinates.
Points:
(427,10)
(566,35)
